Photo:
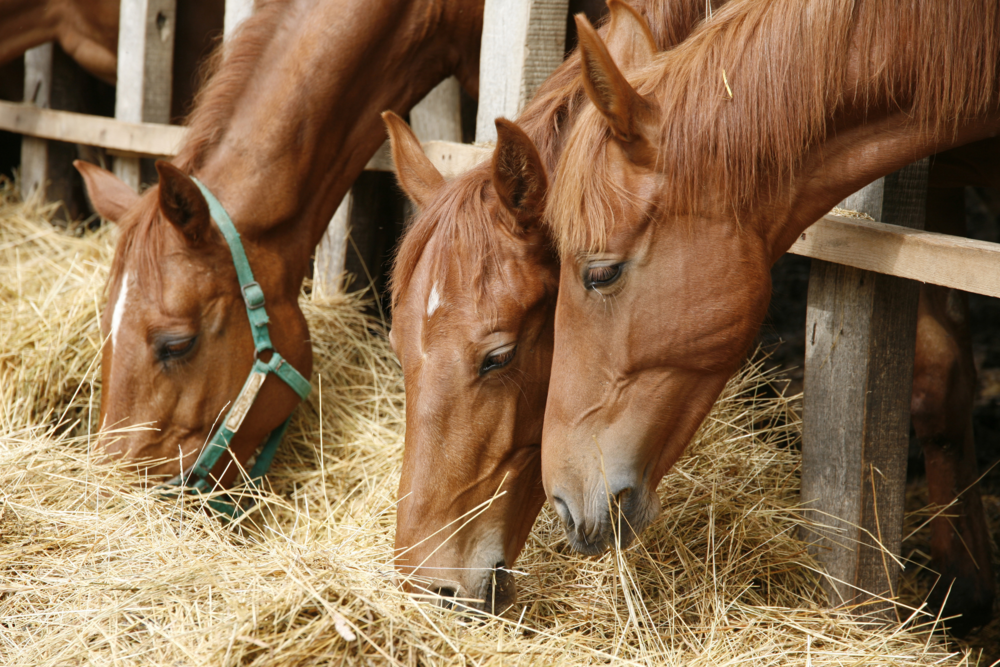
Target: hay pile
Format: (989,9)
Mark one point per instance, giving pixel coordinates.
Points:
(94,570)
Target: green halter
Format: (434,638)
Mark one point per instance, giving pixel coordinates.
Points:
(196,478)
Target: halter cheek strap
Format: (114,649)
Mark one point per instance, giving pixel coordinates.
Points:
(197,476)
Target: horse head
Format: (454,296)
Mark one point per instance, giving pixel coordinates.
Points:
(178,343)
(657,306)
(473,297)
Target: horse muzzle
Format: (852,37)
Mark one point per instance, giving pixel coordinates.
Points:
(495,592)
(606,518)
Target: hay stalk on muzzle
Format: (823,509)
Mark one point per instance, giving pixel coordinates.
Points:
(97,569)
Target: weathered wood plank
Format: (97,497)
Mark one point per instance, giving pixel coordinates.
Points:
(331,253)
(52,79)
(860,331)
(158,140)
(438,117)
(133,139)
(449,158)
(940,259)
(37,92)
(523,42)
(146,31)
(237,11)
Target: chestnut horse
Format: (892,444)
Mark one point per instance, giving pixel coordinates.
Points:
(87,30)
(681,186)
(281,130)
(474,287)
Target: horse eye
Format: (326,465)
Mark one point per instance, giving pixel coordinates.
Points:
(601,276)
(498,359)
(175,349)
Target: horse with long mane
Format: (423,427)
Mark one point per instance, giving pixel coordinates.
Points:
(473,294)
(278,135)
(687,178)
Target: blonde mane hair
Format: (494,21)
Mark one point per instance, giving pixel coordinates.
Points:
(744,98)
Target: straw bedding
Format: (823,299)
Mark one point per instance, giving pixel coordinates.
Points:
(96,570)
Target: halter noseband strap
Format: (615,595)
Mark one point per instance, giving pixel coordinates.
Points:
(197,476)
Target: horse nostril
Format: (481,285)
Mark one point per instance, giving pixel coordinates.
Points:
(622,496)
(447,594)
(562,509)
(501,591)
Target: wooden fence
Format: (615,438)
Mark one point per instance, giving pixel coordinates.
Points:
(862,294)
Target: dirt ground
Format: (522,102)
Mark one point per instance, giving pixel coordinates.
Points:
(783,331)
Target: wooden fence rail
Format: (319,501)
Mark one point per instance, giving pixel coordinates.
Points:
(940,259)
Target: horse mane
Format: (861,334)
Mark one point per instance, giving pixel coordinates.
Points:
(788,66)
(474,231)
(545,119)
(470,236)
(224,80)
(142,239)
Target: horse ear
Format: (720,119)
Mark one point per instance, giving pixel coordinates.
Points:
(629,38)
(414,171)
(518,175)
(625,109)
(109,195)
(182,203)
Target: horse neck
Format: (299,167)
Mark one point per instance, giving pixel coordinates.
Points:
(26,24)
(820,100)
(853,158)
(303,124)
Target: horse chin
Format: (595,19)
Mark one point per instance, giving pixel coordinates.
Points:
(624,521)
(495,594)
(484,586)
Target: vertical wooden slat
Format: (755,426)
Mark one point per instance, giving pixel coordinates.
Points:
(237,11)
(52,81)
(437,116)
(860,332)
(331,253)
(37,91)
(523,42)
(145,70)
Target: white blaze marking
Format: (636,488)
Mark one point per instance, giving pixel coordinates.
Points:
(116,317)
(433,301)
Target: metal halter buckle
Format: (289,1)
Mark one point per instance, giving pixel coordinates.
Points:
(253,295)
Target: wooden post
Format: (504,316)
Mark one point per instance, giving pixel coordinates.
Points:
(237,11)
(860,333)
(37,91)
(51,81)
(523,42)
(146,31)
(436,117)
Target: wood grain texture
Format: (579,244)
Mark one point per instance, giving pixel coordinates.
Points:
(133,139)
(940,259)
(37,92)
(237,11)
(52,79)
(438,116)
(146,32)
(157,140)
(331,253)
(860,332)
(523,42)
